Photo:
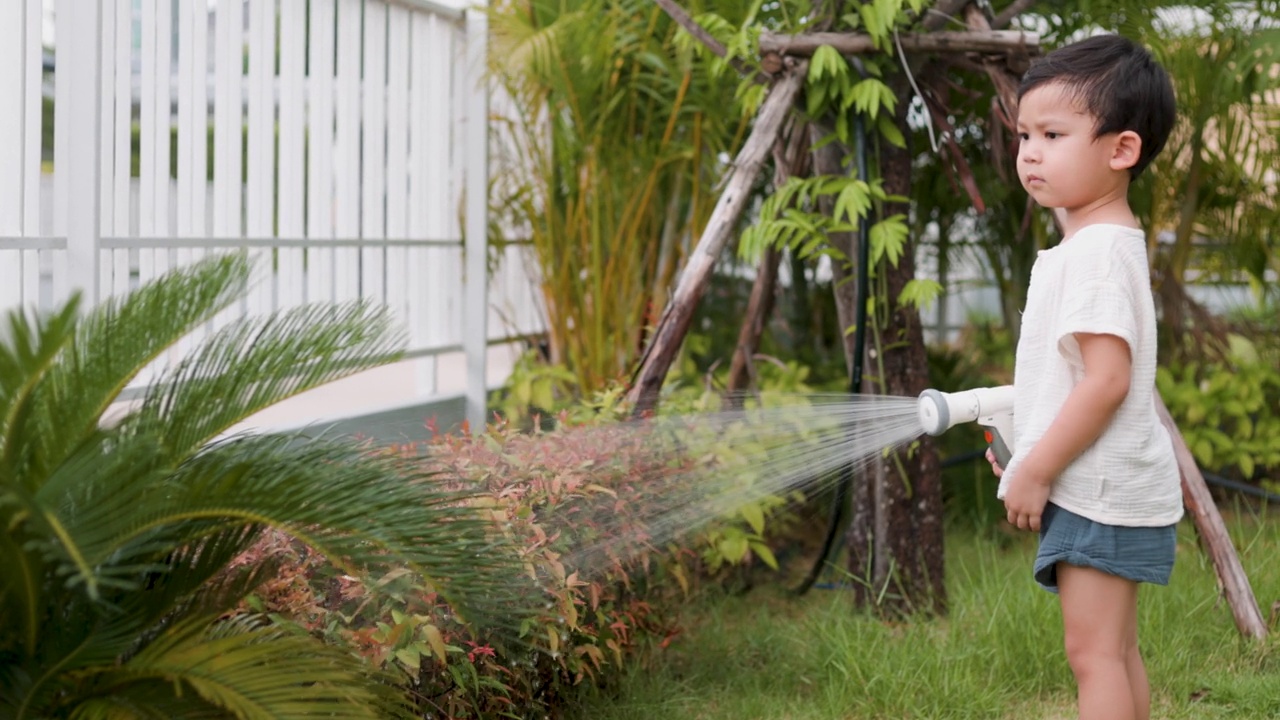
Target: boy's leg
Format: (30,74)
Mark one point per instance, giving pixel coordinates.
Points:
(1100,620)
(1138,677)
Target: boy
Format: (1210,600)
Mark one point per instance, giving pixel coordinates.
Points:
(1094,472)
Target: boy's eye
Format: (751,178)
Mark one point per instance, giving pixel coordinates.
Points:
(1052,135)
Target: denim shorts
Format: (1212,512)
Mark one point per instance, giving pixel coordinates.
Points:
(1141,554)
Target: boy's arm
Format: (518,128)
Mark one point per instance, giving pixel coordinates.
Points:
(1085,414)
(1087,410)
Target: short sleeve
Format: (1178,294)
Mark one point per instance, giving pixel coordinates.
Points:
(1097,305)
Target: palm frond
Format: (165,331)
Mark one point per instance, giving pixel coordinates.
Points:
(330,493)
(112,344)
(257,362)
(235,666)
(27,353)
(152,700)
(195,581)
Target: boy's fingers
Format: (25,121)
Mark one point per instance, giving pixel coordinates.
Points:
(995,467)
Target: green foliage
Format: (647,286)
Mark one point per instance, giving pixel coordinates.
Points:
(574,505)
(802,214)
(831,91)
(830,87)
(123,524)
(788,219)
(920,292)
(1228,413)
(534,388)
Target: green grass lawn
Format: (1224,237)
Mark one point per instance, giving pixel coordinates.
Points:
(998,655)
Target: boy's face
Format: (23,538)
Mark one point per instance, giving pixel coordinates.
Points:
(1060,162)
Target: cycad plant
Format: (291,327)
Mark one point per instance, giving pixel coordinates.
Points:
(118,532)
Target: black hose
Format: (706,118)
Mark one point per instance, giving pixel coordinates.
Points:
(840,496)
(1209,478)
(1242,488)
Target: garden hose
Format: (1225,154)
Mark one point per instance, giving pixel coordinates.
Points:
(840,496)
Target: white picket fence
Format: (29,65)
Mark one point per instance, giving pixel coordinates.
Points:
(342,142)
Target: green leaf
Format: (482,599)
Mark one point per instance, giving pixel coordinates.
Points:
(920,292)
(827,62)
(853,202)
(765,554)
(750,96)
(888,239)
(409,657)
(436,639)
(1202,448)
(889,129)
(871,20)
(754,515)
(734,548)
(1246,465)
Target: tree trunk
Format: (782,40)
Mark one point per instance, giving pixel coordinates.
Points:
(676,317)
(907,566)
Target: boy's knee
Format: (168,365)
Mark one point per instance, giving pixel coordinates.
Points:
(1091,654)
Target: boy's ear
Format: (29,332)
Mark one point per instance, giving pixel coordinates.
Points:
(1126,150)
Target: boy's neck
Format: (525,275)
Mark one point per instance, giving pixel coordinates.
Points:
(1109,209)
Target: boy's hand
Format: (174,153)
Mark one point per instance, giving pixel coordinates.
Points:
(1024,501)
(995,466)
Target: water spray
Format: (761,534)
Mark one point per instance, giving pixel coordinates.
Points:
(992,408)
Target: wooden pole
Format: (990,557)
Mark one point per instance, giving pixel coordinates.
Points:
(1213,533)
(674,323)
(994,41)
(790,159)
(742,368)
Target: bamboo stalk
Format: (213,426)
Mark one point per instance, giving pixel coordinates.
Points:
(676,317)
(994,41)
(1213,533)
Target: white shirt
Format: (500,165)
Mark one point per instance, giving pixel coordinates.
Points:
(1096,282)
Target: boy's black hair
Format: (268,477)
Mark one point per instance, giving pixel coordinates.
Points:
(1119,83)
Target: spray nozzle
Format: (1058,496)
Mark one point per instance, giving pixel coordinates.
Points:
(991,408)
